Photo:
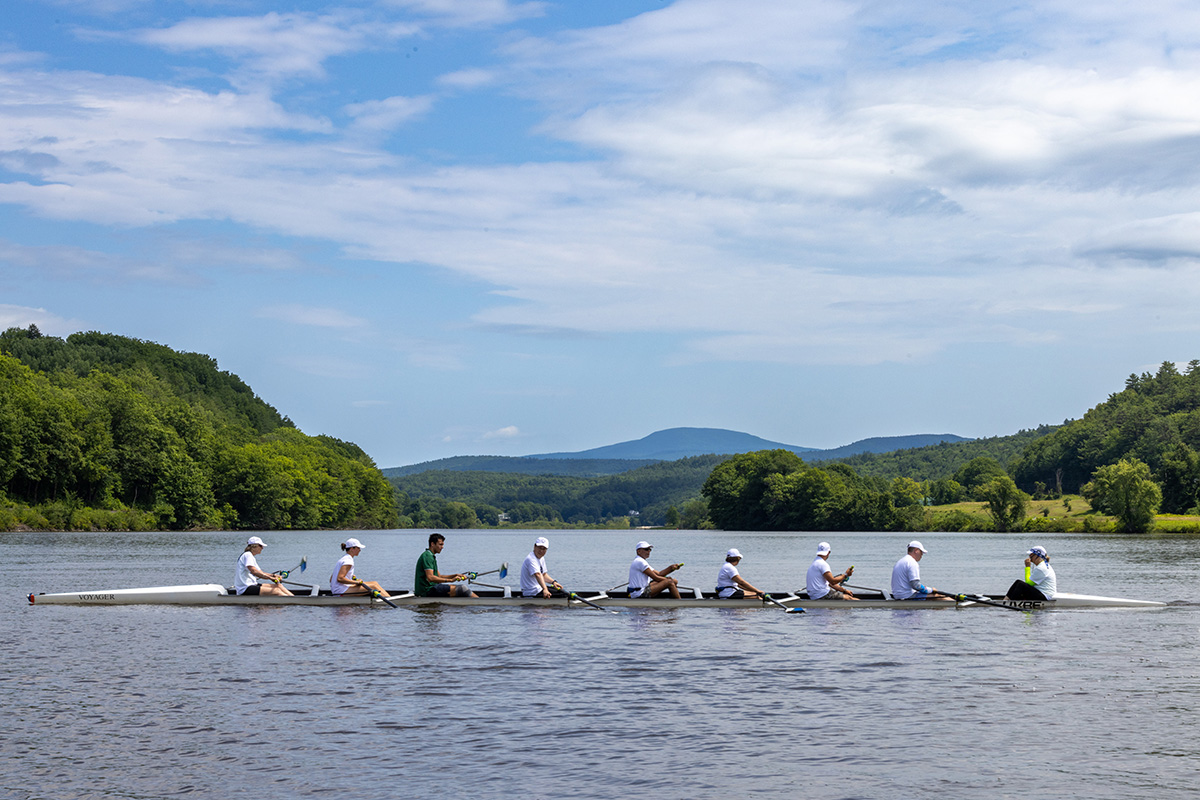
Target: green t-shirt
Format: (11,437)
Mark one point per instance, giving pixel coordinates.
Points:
(421,584)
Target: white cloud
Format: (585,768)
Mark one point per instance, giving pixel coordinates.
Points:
(275,44)
(507,432)
(472,13)
(296,314)
(381,116)
(49,323)
(468,78)
(751,189)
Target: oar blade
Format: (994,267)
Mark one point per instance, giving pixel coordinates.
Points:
(504,570)
(303,563)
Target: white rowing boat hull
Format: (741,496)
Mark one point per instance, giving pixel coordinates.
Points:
(212,594)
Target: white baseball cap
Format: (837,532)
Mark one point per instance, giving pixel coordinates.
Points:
(256,540)
(541,541)
(733,553)
(918,545)
(354,543)
(823,549)
(643,546)
(1037,551)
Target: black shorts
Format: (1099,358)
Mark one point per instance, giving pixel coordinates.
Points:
(1020,590)
(439,590)
(255,589)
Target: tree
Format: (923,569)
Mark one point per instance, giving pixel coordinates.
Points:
(978,471)
(1006,503)
(736,488)
(1127,491)
(694,515)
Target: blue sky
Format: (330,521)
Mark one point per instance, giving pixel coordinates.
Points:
(440,227)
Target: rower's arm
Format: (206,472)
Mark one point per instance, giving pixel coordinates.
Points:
(745,584)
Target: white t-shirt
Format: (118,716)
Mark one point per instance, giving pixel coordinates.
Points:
(725,583)
(1044,579)
(334,585)
(817,586)
(243,579)
(529,585)
(906,577)
(638,579)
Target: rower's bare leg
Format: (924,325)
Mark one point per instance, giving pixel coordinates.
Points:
(666,584)
(372,586)
(274,588)
(461,591)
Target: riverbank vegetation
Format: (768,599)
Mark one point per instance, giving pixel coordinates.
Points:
(103,432)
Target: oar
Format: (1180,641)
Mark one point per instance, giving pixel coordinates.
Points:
(573,596)
(618,586)
(885,595)
(374,594)
(793,610)
(303,565)
(489,585)
(978,599)
(293,583)
(471,576)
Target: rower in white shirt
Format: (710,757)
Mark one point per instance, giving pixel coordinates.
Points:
(645,581)
(535,579)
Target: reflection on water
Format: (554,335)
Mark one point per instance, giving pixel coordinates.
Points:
(125,702)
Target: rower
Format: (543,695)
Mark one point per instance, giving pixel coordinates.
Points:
(645,581)
(821,583)
(245,578)
(1040,581)
(535,580)
(343,581)
(906,577)
(428,582)
(730,584)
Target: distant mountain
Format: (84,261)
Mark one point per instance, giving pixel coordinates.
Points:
(581,467)
(883,444)
(667,445)
(676,443)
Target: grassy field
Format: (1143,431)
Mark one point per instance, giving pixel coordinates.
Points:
(1069,513)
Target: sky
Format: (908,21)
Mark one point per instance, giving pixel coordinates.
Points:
(465,227)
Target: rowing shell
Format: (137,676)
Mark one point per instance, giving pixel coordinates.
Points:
(214,594)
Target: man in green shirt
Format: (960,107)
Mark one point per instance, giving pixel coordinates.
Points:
(428,582)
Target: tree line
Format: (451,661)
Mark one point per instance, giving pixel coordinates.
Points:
(103,431)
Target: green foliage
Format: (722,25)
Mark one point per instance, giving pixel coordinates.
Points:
(1155,419)
(1006,503)
(943,460)
(977,472)
(1127,491)
(775,490)
(694,515)
(142,432)
(743,492)
(557,499)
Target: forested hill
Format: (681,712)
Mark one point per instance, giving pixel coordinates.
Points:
(1155,419)
(192,377)
(465,499)
(103,431)
(939,461)
(524,465)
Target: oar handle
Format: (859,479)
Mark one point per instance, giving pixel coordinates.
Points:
(573,596)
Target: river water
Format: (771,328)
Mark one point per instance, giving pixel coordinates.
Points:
(365,703)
